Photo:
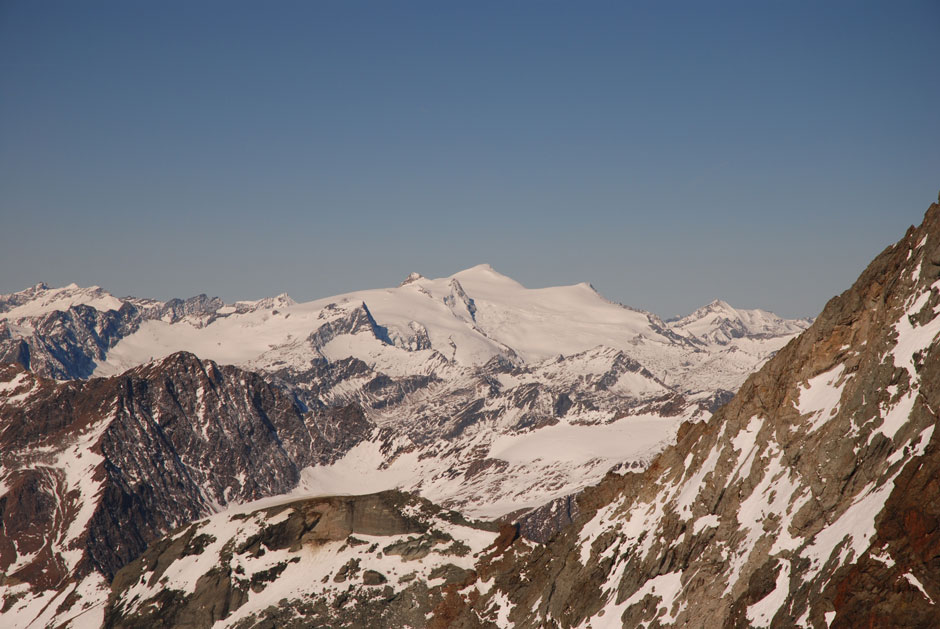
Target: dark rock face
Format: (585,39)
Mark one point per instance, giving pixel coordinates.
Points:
(106,466)
(897,583)
(544,523)
(355,321)
(176,309)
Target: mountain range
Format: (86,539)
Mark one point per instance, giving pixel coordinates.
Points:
(468,452)
(124,418)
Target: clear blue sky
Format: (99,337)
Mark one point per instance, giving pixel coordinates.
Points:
(667,152)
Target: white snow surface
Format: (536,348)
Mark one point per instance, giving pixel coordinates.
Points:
(537,466)
(820,399)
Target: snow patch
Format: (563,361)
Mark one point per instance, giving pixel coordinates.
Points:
(819,400)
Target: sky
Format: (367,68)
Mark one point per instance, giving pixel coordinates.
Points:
(669,153)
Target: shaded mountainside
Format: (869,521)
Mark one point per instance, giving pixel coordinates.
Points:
(809,500)
(93,471)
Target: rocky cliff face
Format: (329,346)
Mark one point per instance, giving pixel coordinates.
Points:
(93,471)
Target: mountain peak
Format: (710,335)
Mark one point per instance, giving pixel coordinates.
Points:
(479,269)
(717,304)
(720,322)
(484,274)
(40,299)
(413,277)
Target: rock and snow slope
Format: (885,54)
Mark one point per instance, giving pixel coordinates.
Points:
(809,500)
(387,559)
(471,390)
(93,471)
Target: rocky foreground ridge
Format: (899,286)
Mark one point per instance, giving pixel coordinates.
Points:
(809,500)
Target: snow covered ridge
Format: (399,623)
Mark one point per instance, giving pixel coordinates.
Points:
(468,319)
(41,299)
(720,323)
(385,558)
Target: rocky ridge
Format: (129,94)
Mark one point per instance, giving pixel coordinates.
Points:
(93,471)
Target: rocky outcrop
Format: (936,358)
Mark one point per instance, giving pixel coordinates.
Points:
(351,321)
(66,344)
(382,560)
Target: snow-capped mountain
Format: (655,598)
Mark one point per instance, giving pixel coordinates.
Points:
(466,319)
(810,500)
(451,371)
(41,299)
(719,323)
(472,391)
